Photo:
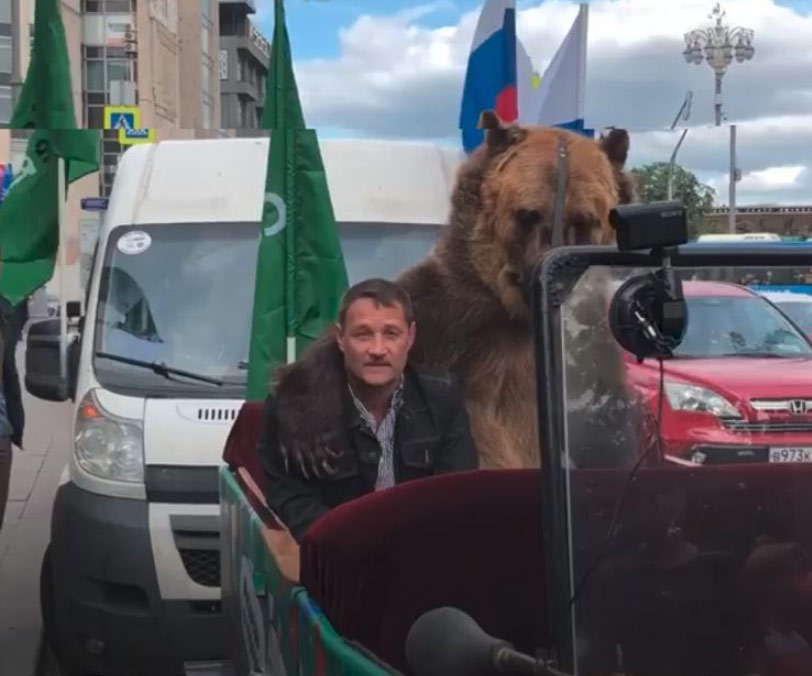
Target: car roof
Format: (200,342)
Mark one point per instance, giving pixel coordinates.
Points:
(695,289)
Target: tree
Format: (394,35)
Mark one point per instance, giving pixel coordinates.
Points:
(652,186)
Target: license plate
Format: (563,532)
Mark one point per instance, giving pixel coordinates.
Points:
(790,454)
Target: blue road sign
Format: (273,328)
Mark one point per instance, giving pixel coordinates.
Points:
(122,121)
(94,203)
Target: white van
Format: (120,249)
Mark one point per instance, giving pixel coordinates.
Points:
(725,238)
(131,576)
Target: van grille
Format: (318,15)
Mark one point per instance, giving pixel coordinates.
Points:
(217,414)
(202,565)
(197,538)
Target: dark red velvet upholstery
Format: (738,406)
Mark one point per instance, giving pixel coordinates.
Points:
(241,444)
(699,599)
(471,540)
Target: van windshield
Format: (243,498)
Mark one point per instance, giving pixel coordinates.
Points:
(182,295)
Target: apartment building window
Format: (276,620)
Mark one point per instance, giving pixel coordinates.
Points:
(111,152)
(233,24)
(108,6)
(207,68)
(103,65)
(225,115)
(207,115)
(241,114)
(205,75)
(5,54)
(5,104)
(207,101)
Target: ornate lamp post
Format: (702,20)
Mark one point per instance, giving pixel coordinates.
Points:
(719,45)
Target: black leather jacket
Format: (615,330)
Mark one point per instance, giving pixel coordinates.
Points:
(432,436)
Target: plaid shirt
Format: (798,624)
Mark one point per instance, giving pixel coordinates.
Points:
(385,433)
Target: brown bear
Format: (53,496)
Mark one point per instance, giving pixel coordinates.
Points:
(471,293)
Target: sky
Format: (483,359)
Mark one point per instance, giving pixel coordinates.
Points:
(395,68)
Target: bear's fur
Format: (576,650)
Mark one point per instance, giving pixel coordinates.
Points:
(471,293)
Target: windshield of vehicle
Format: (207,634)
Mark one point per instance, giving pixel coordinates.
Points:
(181,295)
(688,518)
(800,312)
(735,325)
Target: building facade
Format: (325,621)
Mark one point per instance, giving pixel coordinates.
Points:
(160,56)
(780,219)
(157,55)
(5,62)
(243,66)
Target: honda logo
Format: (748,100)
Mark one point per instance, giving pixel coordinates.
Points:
(798,406)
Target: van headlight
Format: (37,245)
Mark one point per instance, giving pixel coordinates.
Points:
(107,446)
(691,398)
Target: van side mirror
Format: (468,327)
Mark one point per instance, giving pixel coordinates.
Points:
(73,309)
(42,374)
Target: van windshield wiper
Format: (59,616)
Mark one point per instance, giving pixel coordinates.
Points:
(160,368)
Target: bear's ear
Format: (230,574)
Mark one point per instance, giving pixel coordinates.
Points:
(499,136)
(616,146)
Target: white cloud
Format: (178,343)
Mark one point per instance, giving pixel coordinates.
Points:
(395,77)
(773,178)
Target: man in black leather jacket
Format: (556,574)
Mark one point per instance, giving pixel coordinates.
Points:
(381,421)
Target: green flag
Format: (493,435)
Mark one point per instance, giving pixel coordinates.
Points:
(300,267)
(29,215)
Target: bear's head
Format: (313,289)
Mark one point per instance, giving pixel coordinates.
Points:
(505,195)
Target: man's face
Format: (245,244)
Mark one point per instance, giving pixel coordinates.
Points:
(375,341)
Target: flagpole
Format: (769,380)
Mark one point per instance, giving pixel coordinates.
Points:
(61,253)
(583,9)
(281,122)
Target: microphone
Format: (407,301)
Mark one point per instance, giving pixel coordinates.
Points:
(447,641)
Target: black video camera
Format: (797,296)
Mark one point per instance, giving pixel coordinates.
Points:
(648,315)
(658,225)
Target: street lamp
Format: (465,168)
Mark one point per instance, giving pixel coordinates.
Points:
(684,113)
(718,45)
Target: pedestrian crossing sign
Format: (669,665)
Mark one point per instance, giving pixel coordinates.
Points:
(122,117)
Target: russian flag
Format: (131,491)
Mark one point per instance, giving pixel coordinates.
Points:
(490,80)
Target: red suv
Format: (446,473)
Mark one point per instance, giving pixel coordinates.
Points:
(740,386)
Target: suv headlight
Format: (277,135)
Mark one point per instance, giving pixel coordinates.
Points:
(685,397)
(107,446)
